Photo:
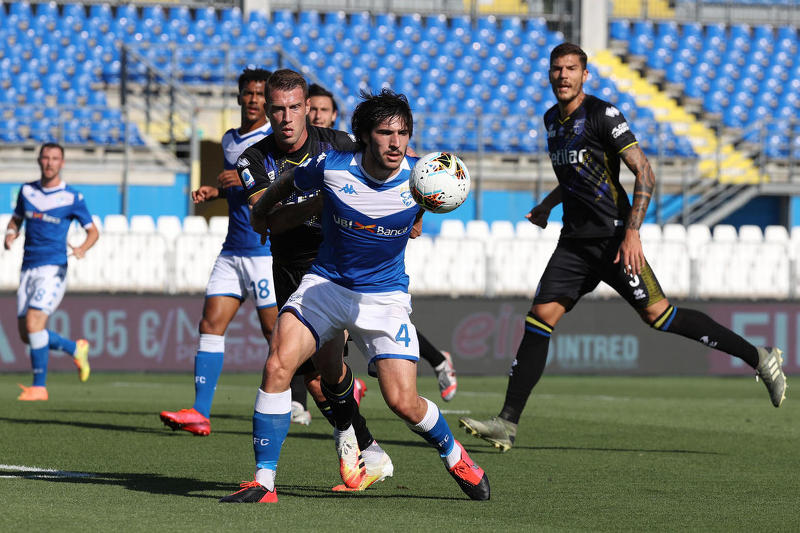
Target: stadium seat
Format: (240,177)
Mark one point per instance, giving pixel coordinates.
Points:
(115,224)
(218,225)
(724,233)
(142,224)
(501,229)
(477,229)
(194,225)
(452,228)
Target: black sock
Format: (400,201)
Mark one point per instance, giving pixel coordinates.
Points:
(527,367)
(298,386)
(702,328)
(429,352)
(340,396)
(325,409)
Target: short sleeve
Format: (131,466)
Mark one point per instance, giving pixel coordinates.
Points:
(310,174)
(81,212)
(19,210)
(615,130)
(252,172)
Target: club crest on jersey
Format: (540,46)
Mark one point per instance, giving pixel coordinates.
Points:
(612,111)
(577,128)
(551,132)
(247,179)
(271,176)
(408,199)
(242,162)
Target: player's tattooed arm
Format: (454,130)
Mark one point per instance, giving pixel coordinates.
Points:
(630,252)
(637,162)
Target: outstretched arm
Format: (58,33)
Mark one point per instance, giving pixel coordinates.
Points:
(630,251)
(541,212)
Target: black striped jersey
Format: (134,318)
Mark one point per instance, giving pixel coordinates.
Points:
(261,163)
(585,149)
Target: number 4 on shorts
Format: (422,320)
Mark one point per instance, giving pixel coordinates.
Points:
(402,335)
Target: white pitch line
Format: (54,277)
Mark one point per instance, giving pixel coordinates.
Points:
(40,472)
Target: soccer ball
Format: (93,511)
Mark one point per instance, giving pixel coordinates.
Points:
(439,182)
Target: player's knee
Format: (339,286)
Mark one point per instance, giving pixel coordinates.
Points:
(404,406)
(659,318)
(277,371)
(211,327)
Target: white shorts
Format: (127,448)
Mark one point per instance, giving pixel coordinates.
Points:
(378,322)
(42,288)
(237,276)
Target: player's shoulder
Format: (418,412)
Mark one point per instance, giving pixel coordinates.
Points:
(551,114)
(228,136)
(597,107)
(337,139)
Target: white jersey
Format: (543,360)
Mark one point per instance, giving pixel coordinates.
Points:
(234,144)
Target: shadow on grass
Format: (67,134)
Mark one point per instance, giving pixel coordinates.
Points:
(490,450)
(158,484)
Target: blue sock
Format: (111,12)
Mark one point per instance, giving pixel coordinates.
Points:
(207,368)
(434,429)
(40,353)
(271,419)
(57,342)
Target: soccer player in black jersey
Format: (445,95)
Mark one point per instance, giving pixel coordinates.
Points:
(296,236)
(586,138)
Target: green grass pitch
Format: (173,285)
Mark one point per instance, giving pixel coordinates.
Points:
(592,454)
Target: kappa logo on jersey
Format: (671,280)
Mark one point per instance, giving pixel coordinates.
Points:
(320,158)
(612,111)
(620,129)
(242,162)
(247,178)
(370,228)
(352,137)
(568,157)
(348,189)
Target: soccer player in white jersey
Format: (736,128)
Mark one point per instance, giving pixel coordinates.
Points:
(47,207)
(356,283)
(244,266)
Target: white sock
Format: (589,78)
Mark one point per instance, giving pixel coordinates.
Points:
(266,478)
(453,457)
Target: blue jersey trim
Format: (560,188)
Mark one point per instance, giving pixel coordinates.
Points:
(228,294)
(261,251)
(266,306)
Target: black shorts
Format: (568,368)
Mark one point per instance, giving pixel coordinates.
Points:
(578,265)
(286,279)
